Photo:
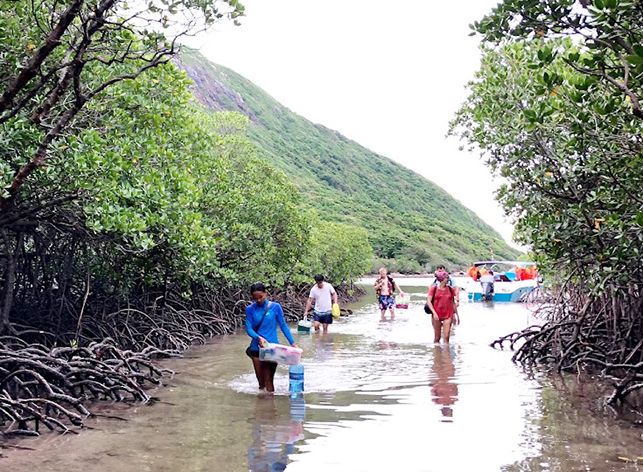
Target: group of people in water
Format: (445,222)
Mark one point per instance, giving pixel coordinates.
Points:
(519,273)
(442,301)
(263,316)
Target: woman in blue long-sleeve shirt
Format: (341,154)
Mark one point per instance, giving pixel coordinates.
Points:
(262,318)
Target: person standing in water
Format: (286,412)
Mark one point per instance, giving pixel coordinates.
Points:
(441,268)
(262,318)
(441,300)
(487,282)
(324,295)
(384,288)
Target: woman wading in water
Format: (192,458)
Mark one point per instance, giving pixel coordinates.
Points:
(262,318)
(441,300)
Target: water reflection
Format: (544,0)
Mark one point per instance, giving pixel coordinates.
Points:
(275,434)
(325,346)
(443,386)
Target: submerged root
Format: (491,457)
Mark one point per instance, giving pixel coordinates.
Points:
(599,334)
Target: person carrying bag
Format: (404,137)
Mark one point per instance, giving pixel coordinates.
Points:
(323,295)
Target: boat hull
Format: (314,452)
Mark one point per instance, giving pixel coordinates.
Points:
(503,291)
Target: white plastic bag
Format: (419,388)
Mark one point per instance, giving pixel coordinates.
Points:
(402,301)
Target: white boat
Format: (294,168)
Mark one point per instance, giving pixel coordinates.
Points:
(507,285)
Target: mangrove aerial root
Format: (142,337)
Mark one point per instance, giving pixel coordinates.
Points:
(50,365)
(598,334)
(41,386)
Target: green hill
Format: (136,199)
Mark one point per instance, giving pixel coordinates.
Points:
(406,215)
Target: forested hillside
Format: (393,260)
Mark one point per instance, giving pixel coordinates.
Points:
(407,216)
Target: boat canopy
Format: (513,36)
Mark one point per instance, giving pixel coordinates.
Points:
(512,263)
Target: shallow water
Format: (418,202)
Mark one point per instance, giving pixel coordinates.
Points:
(379,397)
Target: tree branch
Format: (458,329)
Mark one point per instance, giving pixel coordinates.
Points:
(33,65)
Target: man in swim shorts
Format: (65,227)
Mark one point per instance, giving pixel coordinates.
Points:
(384,287)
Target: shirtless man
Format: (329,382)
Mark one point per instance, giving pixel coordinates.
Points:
(384,287)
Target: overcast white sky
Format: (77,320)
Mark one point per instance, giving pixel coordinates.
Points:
(389,75)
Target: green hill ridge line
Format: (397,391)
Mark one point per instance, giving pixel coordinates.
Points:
(406,215)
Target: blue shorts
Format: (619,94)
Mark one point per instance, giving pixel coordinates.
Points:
(325,317)
(386,301)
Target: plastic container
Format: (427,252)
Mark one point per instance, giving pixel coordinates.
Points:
(402,301)
(296,375)
(280,353)
(304,325)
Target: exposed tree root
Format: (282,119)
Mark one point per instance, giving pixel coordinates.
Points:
(48,370)
(41,386)
(600,334)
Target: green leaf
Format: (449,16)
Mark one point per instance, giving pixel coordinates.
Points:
(639,218)
(573,57)
(531,115)
(635,59)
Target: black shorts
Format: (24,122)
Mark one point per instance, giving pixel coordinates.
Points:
(325,317)
(250,353)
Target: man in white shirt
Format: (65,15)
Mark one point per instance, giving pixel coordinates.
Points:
(324,295)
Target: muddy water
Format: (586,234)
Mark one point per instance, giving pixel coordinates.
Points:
(379,397)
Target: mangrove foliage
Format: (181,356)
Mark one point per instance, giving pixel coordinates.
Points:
(130,220)
(555,108)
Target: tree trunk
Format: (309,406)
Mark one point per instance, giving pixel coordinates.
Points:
(8,288)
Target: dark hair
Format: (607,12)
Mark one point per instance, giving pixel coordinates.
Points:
(319,278)
(258,287)
(441,267)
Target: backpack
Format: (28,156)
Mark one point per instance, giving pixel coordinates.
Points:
(390,279)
